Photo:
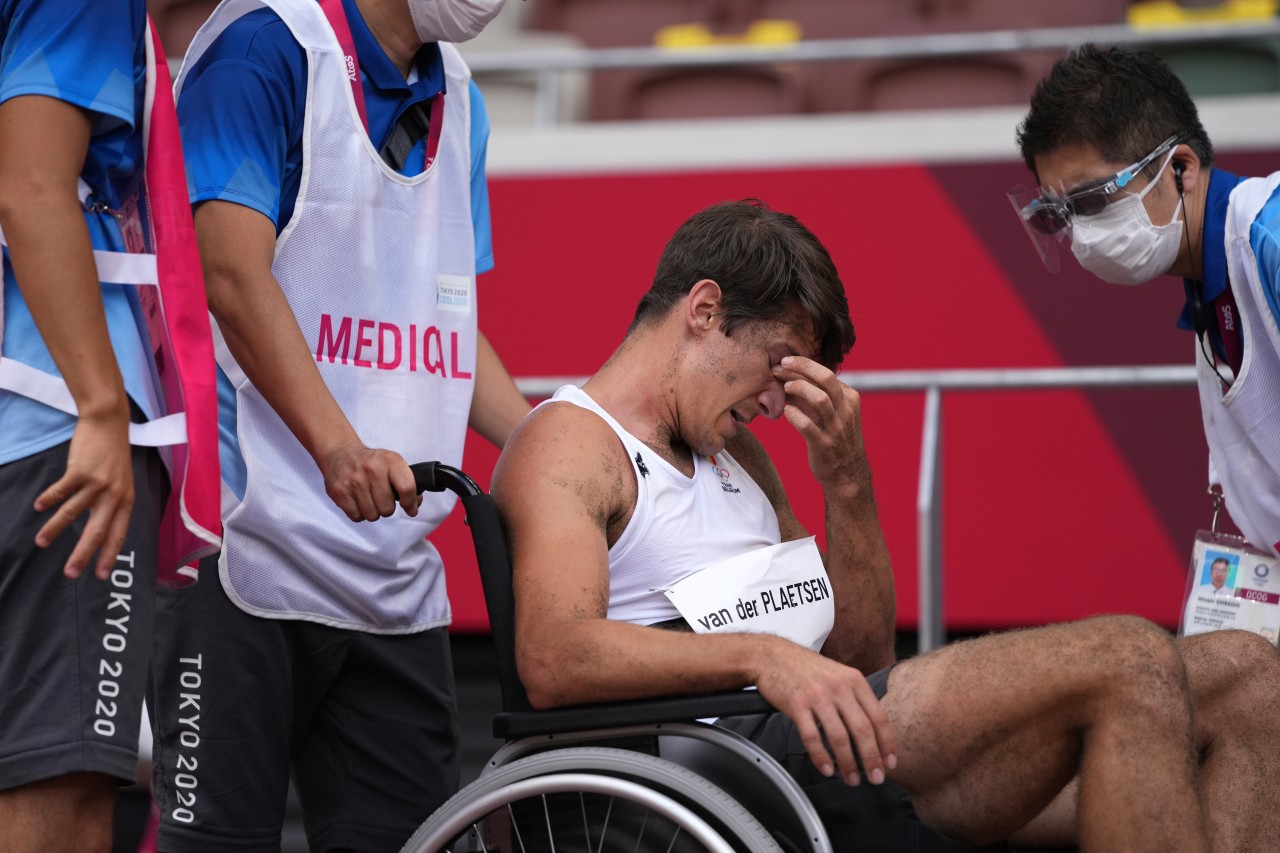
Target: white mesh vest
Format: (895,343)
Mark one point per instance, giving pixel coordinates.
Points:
(680,524)
(1243,427)
(379,270)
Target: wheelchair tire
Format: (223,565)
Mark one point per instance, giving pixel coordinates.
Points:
(687,808)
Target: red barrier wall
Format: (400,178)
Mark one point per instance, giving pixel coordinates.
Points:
(1059,504)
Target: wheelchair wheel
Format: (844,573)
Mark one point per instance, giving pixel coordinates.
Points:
(591,800)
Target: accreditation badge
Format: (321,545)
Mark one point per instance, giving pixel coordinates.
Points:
(1231,584)
(782,590)
(134,226)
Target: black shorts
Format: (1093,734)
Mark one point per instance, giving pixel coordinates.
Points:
(866,818)
(73,653)
(367,722)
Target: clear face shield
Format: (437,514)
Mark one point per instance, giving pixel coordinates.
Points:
(1047,213)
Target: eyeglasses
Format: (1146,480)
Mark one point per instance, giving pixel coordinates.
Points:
(1049,214)
(1047,217)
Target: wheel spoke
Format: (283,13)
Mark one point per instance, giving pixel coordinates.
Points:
(546,812)
(674,837)
(640,835)
(515,827)
(604,827)
(484,848)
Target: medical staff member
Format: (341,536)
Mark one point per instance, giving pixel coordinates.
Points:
(102,347)
(1126,180)
(336,157)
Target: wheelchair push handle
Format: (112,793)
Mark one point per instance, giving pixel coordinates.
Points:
(437,476)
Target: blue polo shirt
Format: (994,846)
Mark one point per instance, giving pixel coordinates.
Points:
(242,107)
(1264,237)
(241,113)
(91,55)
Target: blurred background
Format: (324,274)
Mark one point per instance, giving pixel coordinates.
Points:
(1025,459)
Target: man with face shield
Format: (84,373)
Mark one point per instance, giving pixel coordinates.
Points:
(1127,182)
(1127,185)
(336,152)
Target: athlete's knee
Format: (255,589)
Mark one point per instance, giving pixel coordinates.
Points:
(1138,663)
(1244,656)
(1235,677)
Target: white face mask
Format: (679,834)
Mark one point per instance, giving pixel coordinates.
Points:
(454,21)
(1121,245)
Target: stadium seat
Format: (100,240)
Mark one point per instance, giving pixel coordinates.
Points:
(615,23)
(511,96)
(1243,67)
(833,19)
(943,83)
(984,15)
(699,92)
(961,81)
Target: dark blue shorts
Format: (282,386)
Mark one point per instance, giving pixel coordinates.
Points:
(73,653)
(367,723)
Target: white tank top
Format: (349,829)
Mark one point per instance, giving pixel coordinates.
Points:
(379,270)
(680,525)
(1243,426)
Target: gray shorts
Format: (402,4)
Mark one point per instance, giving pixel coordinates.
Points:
(367,723)
(870,818)
(73,654)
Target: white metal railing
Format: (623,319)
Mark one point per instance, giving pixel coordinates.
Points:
(929,513)
(548,65)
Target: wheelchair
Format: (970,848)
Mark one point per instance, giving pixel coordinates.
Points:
(642,776)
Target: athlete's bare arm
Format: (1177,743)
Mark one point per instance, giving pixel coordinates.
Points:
(857,559)
(828,414)
(237,247)
(563,482)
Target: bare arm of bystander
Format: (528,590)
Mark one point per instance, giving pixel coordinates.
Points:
(43,144)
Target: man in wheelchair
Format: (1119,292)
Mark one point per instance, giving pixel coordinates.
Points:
(642,502)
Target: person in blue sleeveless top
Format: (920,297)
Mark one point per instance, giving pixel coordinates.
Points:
(340,261)
(1128,182)
(81,508)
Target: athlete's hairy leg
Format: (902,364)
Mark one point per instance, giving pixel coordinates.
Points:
(991,730)
(1235,681)
(1234,677)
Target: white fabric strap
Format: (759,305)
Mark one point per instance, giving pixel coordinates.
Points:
(27,381)
(162,432)
(52,391)
(119,267)
(126,268)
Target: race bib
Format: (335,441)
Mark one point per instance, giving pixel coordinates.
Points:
(1231,584)
(782,590)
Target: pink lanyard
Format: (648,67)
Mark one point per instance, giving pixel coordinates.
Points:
(1229,326)
(338,21)
(178,322)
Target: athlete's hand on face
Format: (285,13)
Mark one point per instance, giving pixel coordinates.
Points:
(99,478)
(367,483)
(828,414)
(823,697)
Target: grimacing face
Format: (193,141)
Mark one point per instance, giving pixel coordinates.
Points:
(740,380)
